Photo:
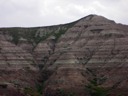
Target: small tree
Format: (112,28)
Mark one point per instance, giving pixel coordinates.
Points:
(15,36)
(94,87)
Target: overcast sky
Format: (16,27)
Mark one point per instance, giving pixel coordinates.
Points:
(26,13)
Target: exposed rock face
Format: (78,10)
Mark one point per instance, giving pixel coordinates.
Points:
(95,43)
(13,57)
(65,53)
(16,67)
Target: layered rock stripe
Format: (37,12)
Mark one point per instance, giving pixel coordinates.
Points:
(67,50)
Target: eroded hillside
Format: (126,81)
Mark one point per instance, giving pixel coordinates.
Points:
(64,59)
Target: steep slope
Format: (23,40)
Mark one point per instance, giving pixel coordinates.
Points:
(93,43)
(17,68)
(66,58)
(17,63)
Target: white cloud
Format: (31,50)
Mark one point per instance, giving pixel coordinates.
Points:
(50,12)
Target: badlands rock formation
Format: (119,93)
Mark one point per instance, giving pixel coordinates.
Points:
(65,58)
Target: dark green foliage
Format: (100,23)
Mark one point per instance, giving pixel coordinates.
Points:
(39,88)
(31,92)
(59,34)
(15,35)
(34,38)
(94,87)
(15,38)
(61,92)
(40,85)
(30,35)
(63,30)
(96,90)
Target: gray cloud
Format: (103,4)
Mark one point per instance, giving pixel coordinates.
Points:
(49,12)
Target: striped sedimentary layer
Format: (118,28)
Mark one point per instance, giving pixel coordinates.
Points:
(94,43)
(68,56)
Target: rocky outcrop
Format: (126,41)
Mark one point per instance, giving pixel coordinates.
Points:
(93,43)
(68,56)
